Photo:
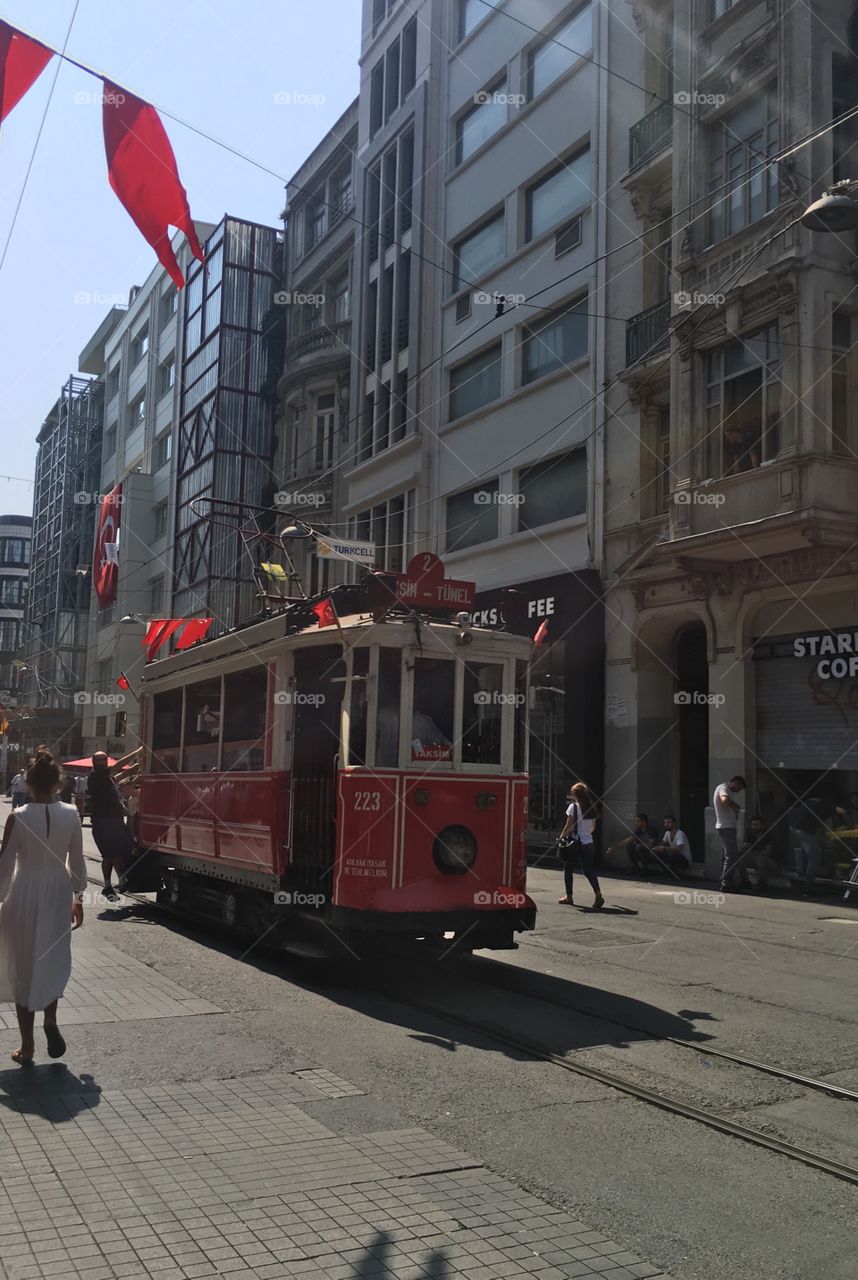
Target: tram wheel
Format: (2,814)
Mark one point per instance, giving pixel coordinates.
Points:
(173,889)
(229,910)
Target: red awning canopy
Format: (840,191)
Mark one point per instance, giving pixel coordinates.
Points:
(86,763)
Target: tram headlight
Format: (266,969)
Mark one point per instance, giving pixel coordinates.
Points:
(454,850)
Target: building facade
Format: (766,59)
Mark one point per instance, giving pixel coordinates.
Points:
(57,611)
(16,534)
(312,427)
(731,531)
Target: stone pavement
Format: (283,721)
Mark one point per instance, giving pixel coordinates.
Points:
(236,1178)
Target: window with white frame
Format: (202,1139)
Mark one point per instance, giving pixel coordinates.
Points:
(743,400)
(389,525)
(324,423)
(555,342)
(162,450)
(476,125)
(471,12)
(139,345)
(552,489)
(168,305)
(476,381)
(472,516)
(743,185)
(550,57)
(137,412)
(476,253)
(166,375)
(159,520)
(555,197)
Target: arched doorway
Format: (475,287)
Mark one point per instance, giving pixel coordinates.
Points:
(692,674)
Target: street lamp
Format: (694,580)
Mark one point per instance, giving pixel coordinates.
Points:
(835,210)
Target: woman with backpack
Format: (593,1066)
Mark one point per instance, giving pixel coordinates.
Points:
(576,842)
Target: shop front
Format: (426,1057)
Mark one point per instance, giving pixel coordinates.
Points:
(806,698)
(566,682)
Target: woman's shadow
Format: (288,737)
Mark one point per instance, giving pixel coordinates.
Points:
(48,1089)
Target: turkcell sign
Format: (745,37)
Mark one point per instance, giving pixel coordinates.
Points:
(837,652)
(347,549)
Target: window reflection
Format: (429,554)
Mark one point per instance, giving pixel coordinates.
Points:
(482,712)
(432,721)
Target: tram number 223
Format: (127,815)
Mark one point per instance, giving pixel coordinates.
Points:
(368,801)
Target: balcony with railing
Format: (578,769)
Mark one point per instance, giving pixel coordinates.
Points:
(650,135)
(648,333)
(333,338)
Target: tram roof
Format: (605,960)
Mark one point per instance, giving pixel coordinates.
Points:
(273,632)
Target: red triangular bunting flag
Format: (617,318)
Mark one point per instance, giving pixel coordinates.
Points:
(541,633)
(22,61)
(195,629)
(326,613)
(123,682)
(143,173)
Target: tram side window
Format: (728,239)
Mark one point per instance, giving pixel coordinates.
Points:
(245,696)
(482,712)
(202,727)
(519,749)
(432,721)
(166,731)
(387,715)
(357,707)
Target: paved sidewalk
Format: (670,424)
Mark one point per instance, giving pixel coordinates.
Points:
(237,1178)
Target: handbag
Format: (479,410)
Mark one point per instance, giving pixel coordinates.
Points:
(569,847)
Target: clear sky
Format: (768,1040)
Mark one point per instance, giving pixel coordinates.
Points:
(217,64)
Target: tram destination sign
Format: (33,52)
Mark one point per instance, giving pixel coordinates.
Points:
(423,586)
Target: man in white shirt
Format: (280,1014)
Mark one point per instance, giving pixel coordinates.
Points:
(674,849)
(726,824)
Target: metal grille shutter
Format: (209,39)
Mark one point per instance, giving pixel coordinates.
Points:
(804,722)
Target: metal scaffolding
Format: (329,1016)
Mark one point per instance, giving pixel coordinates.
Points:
(65,502)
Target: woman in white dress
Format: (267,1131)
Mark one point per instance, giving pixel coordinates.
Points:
(42,875)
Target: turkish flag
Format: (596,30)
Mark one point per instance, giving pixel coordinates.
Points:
(22,61)
(326,613)
(105,563)
(541,633)
(157,633)
(123,681)
(143,173)
(195,629)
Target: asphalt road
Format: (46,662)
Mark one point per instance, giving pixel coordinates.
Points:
(772,979)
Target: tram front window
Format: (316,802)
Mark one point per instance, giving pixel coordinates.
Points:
(357,707)
(482,712)
(387,717)
(432,719)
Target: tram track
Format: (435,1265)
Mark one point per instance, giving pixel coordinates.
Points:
(663,1101)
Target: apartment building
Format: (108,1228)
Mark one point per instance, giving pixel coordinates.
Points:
(730,524)
(312,427)
(65,494)
(399,269)
(137,364)
(16,534)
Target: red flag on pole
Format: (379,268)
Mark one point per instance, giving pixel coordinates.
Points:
(123,682)
(142,170)
(326,613)
(541,633)
(195,629)
(22,61)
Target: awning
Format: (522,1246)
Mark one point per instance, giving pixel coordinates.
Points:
(86,763)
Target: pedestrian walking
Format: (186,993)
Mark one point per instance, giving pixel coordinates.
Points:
(107,816)
(80,791)
(20,794)
(576,842)
(42,878)
(727,825)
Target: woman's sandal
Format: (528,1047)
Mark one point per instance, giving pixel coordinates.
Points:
(56,1043)
(23,1059)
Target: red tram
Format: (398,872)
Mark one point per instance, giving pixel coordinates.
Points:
(341,786)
